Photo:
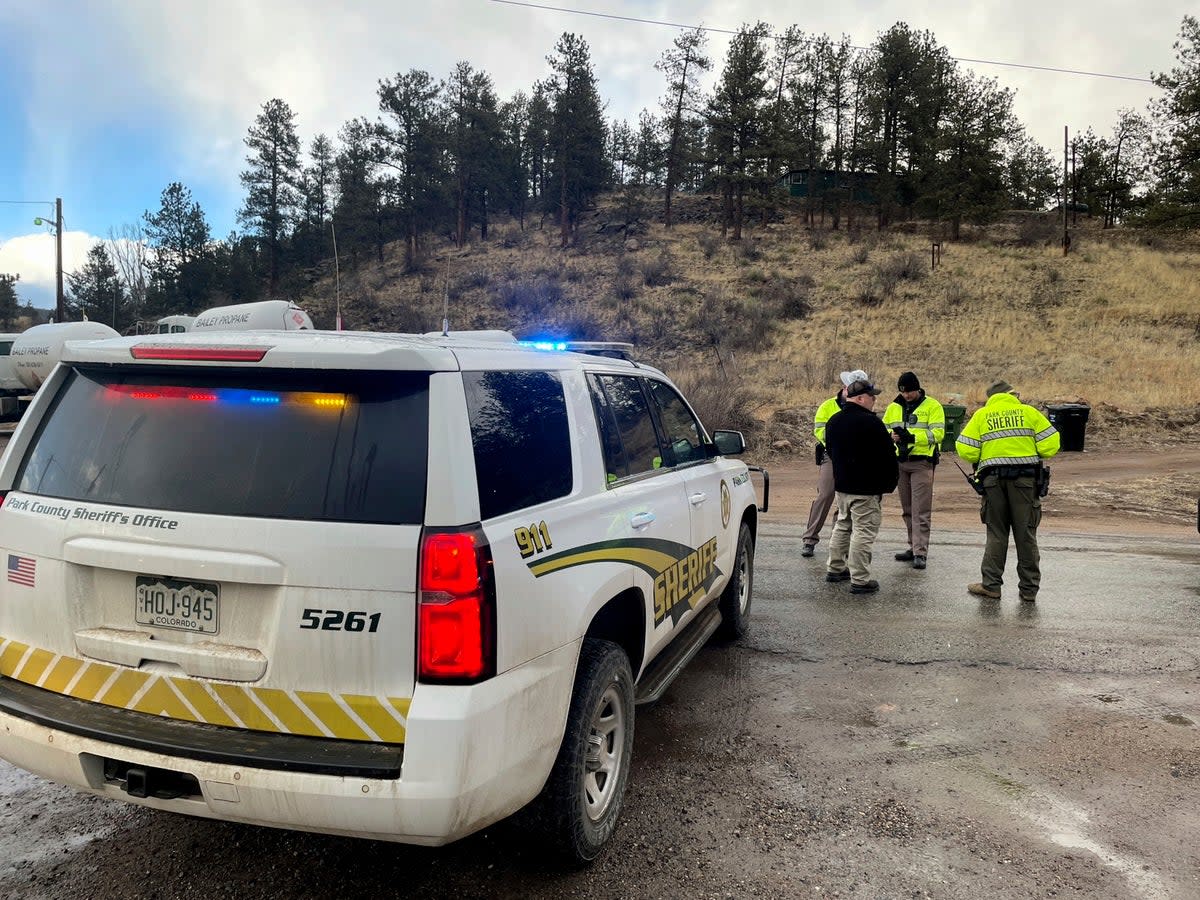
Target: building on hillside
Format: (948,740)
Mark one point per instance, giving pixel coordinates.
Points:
(824,182)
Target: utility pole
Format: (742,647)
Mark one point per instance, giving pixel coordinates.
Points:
(60,307)
(1066,237)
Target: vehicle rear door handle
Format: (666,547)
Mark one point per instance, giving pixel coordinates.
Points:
(698,498)
(641,520)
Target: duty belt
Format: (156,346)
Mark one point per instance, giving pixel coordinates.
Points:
(1010,471)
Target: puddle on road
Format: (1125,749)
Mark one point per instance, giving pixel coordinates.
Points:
(1174,719)
(1065,824)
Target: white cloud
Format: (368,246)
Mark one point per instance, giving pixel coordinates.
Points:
(32,256)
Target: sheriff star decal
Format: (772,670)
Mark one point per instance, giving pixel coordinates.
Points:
(683,576)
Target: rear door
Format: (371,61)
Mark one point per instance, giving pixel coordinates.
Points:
(229,546)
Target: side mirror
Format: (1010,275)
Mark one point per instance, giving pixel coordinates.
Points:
(729,443)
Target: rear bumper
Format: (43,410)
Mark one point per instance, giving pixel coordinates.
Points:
(474,754)
(208,743)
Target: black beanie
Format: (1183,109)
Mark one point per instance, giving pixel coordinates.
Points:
(908,382)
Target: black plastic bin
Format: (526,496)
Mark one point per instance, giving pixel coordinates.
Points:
(1071,421)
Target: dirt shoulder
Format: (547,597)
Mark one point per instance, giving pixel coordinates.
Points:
(1146,491)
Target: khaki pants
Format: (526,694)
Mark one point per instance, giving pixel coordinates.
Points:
(916,500)
(854,530)
(820,507)
(1011,505)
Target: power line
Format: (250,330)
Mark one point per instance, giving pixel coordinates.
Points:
(965,59)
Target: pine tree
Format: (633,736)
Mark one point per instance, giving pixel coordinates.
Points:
(310,239)
(473,131)
(1176,195)
(97,291)
(271,179)
(648,156)
(682,66)
(514,156)
(907,90)
(810,95)
(537,142)
(840,102)
(736,121)
(411,143)
(9,305)
(577,135)
(967,180)
(181,266)
(1031,176)
(1125,166)
(358,212)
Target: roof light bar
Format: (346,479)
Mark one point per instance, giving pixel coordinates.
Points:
(198,353)
(615,349)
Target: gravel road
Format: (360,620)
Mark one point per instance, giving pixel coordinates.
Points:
(916,743)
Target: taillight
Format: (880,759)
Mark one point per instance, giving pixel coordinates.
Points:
(456,603)
(3,495)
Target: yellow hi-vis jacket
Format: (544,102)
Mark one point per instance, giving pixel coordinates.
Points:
(926,423)
(824,413)
(1007,432)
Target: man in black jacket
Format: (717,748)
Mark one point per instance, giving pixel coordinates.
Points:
(864,469)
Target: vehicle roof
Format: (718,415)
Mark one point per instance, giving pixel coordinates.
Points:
(349,350)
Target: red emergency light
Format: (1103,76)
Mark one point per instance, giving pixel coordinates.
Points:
(193,353)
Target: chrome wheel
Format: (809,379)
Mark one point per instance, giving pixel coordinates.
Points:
(743,576)
(604,755)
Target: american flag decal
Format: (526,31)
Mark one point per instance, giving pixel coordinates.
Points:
(22,570)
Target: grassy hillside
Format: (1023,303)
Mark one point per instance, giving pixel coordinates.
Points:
(758,331)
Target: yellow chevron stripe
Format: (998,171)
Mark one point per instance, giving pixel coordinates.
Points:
(35,666)
(10,657)
(90,682)
(325,708)
(194,700)
(286,711)
(654,559)
(62,673)
(122,691)
(206,707)
(401,705)
(377,717)
(240,704)
(161,700)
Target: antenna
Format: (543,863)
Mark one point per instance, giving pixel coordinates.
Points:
(337,278)
(446,299)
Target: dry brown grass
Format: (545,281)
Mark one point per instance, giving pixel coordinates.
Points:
(1115,323)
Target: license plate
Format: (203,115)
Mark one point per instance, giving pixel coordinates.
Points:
(171,603)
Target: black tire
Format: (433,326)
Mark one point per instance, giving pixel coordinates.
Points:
(735,599)
(578,808)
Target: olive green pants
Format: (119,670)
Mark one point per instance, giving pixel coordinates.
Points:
(1011,505)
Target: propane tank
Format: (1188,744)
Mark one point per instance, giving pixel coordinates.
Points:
(37,351)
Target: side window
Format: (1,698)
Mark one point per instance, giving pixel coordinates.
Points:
(610,437)
(684,436)
(521,438)
(629,413)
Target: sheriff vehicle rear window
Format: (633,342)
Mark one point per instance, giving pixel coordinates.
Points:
(521,438)
(337,446)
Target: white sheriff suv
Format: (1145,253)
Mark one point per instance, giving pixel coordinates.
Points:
(390,586)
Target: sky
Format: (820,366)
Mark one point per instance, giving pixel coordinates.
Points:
(105,103)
